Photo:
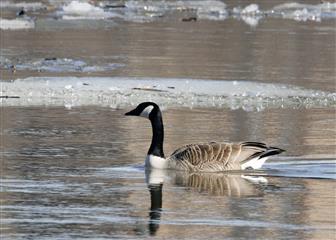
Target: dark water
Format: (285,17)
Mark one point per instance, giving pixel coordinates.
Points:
(79,174)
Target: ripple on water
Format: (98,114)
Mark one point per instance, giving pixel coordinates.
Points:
(301,168)
(81,173)
(118,196)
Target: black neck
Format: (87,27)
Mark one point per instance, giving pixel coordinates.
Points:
(156,147)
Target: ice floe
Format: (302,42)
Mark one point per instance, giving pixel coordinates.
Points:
(252,9)
(15,24)
(139,11)
(59,65)
(142,11)
(208,6)
(250,14)
(147,10)
(304,12)
(83,10)
(116,92)
(151,10)
(217,10)
(22,5)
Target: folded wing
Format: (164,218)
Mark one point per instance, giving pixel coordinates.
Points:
(221,156)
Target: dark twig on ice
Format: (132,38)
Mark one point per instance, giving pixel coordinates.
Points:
(9,97)
(148,89)
(189,19)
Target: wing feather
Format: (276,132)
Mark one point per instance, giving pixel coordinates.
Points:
(221,156)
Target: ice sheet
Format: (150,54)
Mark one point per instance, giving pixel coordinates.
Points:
(208,6)
(251,14)
(15,24)
(142,11)
(116,92)
(64,65)
(83,10)
(22,5)
(304,12)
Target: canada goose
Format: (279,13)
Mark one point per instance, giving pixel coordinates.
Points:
(206,157)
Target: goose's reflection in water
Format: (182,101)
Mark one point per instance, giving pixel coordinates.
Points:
(156,208)
(219,184)
(154,180)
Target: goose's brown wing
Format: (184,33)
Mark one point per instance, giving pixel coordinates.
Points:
(222,156)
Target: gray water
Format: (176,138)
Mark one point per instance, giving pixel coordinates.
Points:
(74,169)
(79,174)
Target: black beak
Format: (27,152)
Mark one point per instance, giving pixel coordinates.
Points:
(131,113)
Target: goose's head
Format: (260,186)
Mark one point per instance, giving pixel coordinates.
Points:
(145,109)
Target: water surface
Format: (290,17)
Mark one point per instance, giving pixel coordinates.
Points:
(79,173)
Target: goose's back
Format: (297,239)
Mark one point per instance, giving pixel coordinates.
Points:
(216,156)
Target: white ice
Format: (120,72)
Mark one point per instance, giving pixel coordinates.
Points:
(304,12)
(250,14)
(251,9)
(83,10)
(19,5)
(115,92)
(64,65)
(209,9)
(209,6)
(144,11)
(16,24)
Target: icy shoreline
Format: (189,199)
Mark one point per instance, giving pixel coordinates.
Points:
(120,92)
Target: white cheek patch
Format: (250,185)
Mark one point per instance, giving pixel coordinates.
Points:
(145,113)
